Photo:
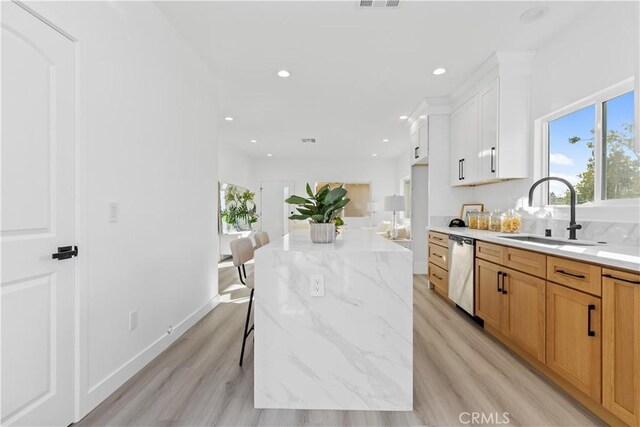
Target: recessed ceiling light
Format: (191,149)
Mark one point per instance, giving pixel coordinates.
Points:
(424,116)
(439,71)
(403,117)
(269,155)
(533,14)
(375,155)
(385,140)
(229,118)
(254,140)
(284,74)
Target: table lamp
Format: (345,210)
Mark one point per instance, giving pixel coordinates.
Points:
(396,204)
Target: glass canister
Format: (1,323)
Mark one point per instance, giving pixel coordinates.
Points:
(495,220)
(472,219)
(483,220)
(511,222)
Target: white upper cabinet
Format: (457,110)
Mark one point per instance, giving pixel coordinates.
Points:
(490,122)
(488,131)
(464,143)
(419,141)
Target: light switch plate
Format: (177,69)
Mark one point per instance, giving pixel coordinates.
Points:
(316,284)
(114,212)
(133,320)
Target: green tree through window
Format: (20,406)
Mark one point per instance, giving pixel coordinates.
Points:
(575,158)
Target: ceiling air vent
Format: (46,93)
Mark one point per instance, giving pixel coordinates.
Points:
(308,140)
(379,3)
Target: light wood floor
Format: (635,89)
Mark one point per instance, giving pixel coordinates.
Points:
(457,368)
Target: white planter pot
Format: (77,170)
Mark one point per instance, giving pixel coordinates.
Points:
(323,233)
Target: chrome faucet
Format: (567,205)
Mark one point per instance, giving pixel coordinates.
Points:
(572,193)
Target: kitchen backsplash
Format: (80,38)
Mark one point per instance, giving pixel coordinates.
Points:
(599,231)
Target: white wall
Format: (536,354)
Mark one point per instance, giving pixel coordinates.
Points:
(599,50)
(235,167)
(380,173)
(147,138)
(402,171)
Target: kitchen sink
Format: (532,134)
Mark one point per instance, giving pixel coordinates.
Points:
(551,241)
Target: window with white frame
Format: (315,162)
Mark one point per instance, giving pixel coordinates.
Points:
(592,145)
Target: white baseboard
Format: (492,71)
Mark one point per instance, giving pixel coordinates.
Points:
(113,381)
(419,267)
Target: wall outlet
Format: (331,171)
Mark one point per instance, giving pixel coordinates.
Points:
(114,212)
(133,320)
(317,285)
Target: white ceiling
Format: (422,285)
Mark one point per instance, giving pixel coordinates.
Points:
(353,70)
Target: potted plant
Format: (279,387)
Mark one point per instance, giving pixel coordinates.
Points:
(322,209)
(240,209)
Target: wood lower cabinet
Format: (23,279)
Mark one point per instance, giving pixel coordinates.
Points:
(576,322)
(512,303)
(621,345)
(524,312)
(439,278)
(490,252)
(439,255)
(438,251)
(574,338)
(489,293)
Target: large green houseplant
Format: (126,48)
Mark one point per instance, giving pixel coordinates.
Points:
(322,209)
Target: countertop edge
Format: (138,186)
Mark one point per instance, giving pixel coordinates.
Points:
(493,237)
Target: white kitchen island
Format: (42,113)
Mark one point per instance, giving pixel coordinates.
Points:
(350,349)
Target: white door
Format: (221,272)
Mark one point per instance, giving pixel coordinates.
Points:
(274,215)
(38,207)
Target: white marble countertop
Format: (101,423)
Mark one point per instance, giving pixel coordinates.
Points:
(347,241)
(608,255)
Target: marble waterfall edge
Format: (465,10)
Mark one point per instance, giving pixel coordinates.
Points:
(351,349)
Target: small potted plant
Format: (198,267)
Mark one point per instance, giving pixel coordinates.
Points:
(322,209)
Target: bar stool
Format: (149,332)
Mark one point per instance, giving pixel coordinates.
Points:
(261,238)
(242,252)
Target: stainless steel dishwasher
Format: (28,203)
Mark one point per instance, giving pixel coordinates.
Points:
(461,255)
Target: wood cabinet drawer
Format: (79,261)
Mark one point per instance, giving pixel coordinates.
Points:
(575,274)
(526,261)
(439,278)
(440,239)
(490,252)
(438,255)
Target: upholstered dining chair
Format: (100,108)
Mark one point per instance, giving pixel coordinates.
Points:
(261,238)
(242,252)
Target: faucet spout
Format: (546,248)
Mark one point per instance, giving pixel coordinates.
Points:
(573,226)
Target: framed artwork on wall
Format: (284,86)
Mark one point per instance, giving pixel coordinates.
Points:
(470,207)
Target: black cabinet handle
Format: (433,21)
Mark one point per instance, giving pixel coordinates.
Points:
(436,276)
(635,282)
(498,282)
(459,169)
(416,152)
(504,290)
(577,276)
(493,161)
(65,252)
(590,308)
(462,161)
